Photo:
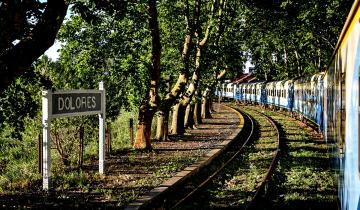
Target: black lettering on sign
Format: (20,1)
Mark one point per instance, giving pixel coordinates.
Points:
(68,103)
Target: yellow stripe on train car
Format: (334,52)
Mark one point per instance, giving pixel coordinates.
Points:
(347,30)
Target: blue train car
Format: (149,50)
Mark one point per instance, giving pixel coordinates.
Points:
(341,105)
(307,101)
(270,93)
(259,94)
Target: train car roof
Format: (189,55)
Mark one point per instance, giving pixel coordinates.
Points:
(317,76)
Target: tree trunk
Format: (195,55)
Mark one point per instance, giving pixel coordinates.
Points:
(205,111)
(211,104)
(190,116)
(143,135)
(150,101)
(165,136)
(160,125)
(201,43)
(182,80)
(197,113)
(187,114)
(174,121)
(177,125)
(205,107)
(197,108)
(15,61)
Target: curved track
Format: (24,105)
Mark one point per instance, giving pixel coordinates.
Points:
(248,137)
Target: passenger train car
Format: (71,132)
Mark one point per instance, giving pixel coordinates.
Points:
(329,99)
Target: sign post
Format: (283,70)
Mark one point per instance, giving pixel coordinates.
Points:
(102,131)
(67,104)
(46,121)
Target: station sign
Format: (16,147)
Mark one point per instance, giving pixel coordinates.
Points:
(76,102)
(68,103)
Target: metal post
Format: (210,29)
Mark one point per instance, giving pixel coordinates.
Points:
(108,142)
(131,131)
(81,146)
(40,138)
(102,128)
(46,121)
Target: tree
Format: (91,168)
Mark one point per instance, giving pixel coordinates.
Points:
(177,126)
(173,93)
(28,29)
(150,101)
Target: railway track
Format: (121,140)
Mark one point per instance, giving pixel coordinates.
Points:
(240,163)
(303,179)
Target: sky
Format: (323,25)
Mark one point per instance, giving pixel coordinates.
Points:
(52,52)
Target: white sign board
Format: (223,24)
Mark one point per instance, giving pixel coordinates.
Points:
(67,104)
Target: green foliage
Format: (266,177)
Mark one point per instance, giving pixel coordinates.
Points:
(120,129)
(18,159)
(292,38)
(19,101)
(115,51)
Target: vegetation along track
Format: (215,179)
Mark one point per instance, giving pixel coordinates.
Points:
(303,178)
(240,174)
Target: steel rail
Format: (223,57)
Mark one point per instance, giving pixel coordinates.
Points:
(261,189)
(205,182)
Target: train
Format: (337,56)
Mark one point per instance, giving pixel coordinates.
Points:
(329,99)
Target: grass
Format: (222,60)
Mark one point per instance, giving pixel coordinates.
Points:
(19,159)
(130,173)
(304,179)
